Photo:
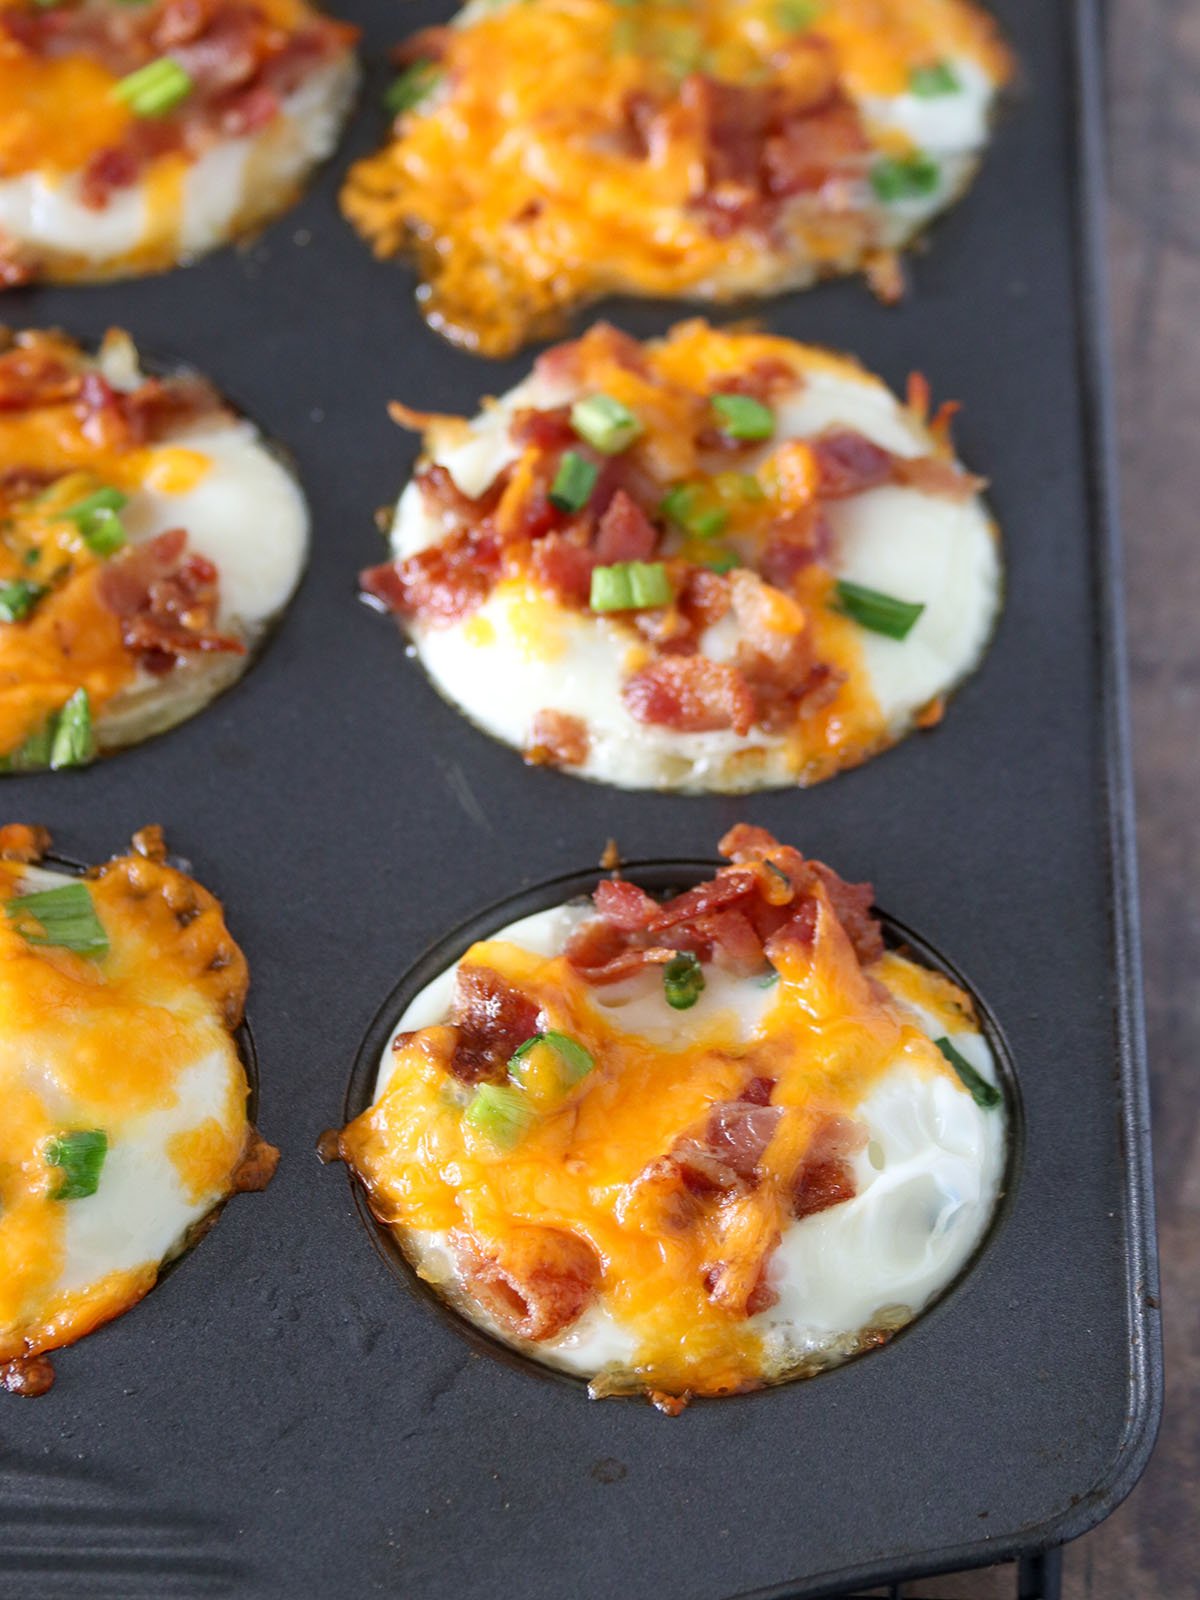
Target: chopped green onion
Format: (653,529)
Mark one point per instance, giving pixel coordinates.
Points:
(683,981)
(72,744)
(18,598)
(938,78)
(914,177)
(32,557)
(155,89)
(81,1156)
(880,613)
(98,522)
(33,752)
(723,561)
(573,482)
(413,85)
(796,15)
(743,417)
(630,586)
(983,1093)
(685,505)
(681,47)
(576,1060)
(102,500)
(769,982)
(503,1114)
(64,918)
(605,423)
(649,584)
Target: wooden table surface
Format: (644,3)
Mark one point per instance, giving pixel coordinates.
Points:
(1150,1548)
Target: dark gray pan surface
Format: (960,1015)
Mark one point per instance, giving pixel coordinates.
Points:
(282,1419)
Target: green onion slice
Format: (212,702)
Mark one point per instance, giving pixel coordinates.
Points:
(896,178)
(769,982)
(738,487)
(881,613)
(72,743)
(983,1093)
(683,981)
(103,500)
(573,482)
(630,586)
(743,417)
(937,78)
(689,507)
(577,1061)
(415,83)
(605,423)
(502,1113)
(80,1156)
(18,598)
(155,89)
(64,918)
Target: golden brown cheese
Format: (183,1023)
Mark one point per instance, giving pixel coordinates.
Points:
(568,149)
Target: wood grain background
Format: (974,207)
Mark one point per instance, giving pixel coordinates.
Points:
(1150,1548)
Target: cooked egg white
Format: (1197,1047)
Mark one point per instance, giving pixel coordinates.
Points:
(521,652)
(137,1044)
(175,215)
(927,1180)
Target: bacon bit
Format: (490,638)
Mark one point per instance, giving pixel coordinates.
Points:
(815,147)
(885,276)
(166,601)
(626,907)
(30,1376)
(542,430)
(825,1177)
(535,1284)
(931,713)
(933,475)
(21,841)
(849,463)
(33,375)
(427,44)
(557,740)
(625,532)
(763,380)
(690,694)
(795,542)
(257,1166)
(441,584)
(758,1091)
(704,598)
(563,566)
(851,902)
(492,1019)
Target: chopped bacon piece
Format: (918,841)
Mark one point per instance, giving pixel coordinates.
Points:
(848,463)
(443,498)
(933,475)
(563,566)
(626,907)
(690,694)
(716,895)
(32,376)
(543,430)
(427,44)
(825,1177)
(441,584)
(758,1091)
(764,380)
(492,1019)
(810,149)
(704,598)
(557,739)
(739,1132)
(166,601)
(851,902)
(535,1282)
(625,532)
(795,542)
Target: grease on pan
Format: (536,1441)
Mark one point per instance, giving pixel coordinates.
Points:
(150,538)
(134,137)
(125,1099)
(813,569)
(692,1147)
(545,154)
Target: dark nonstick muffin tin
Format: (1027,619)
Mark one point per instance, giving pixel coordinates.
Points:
(280,1418)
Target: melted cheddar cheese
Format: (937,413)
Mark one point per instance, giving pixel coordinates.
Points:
(564,150)
(674,1313)
(135,1042)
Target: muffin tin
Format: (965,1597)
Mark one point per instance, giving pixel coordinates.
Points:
(280,1418)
